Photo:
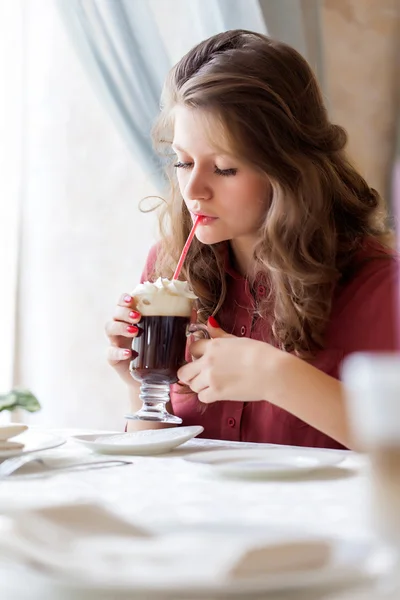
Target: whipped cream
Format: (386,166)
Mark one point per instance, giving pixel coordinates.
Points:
(164,297)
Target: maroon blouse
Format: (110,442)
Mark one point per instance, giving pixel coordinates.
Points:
(362,319)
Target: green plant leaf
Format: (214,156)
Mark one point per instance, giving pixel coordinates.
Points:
(19,398)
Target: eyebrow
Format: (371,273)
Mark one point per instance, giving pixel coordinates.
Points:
(177,147)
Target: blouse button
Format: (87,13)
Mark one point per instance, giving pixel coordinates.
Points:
(231,422)
(261,290)
(243,330)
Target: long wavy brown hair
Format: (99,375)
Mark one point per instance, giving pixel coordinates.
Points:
(267,98)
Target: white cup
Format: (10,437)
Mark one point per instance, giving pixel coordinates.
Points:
(372,384)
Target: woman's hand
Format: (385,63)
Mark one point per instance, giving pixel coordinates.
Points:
(230,368)
(233,368)
(120,332)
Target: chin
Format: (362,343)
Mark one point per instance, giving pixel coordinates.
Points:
(208,237)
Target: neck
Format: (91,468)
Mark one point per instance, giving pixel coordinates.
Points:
(242,250)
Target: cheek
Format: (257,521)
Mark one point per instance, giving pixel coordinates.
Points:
(245,209)
(181,182)
(260,195)
(183,177)
(247,214)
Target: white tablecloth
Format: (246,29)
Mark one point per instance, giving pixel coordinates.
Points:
(167,493)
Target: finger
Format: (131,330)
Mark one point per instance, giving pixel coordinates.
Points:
(189,371)
(207,396)
(199,383)
(215,329)
(116,329)
(127,315)
(116,355)
(127,301)
(198,348)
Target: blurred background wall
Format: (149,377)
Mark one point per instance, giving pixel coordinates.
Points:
(362,69)
(73,237)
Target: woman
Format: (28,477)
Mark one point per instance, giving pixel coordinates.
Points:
(291,263)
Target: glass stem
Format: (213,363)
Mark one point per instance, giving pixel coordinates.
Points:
(154,397)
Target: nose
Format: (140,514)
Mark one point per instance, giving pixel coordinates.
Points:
(197,187)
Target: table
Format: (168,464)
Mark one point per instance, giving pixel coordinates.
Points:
(168,493)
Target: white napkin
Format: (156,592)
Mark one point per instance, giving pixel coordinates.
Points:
(92,544)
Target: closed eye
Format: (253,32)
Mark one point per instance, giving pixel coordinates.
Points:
(183,165)
(217,171)
(225,172)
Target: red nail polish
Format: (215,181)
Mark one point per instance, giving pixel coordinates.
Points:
(134,315)
(132,329)
(127,299)
(213,323)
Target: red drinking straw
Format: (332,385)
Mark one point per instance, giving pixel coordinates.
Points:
(186,247)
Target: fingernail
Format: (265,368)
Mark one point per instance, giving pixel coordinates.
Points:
(127,299)
(132,329)
(134,315)
(213,322)
(127,352)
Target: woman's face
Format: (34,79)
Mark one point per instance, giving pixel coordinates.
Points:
(231,195)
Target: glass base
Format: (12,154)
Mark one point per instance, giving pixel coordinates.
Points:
(157,416)
(155,398)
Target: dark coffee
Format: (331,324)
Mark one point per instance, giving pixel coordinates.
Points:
(160,347)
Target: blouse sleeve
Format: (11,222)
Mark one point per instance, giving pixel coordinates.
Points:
(370,317)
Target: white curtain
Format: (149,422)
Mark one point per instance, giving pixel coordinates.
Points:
(12,165)
(83,240)
(121,49)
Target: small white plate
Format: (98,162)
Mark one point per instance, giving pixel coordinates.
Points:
(267,462)
(146,442)
(34,441)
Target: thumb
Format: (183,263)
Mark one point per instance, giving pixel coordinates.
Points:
(215,330)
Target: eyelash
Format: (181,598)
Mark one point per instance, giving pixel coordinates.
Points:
(223,172)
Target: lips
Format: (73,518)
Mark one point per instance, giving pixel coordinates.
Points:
(204,219)
(207,221)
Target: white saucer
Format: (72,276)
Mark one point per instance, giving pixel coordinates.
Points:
(9,431)
(267,462)
(146,442)
(33,441)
